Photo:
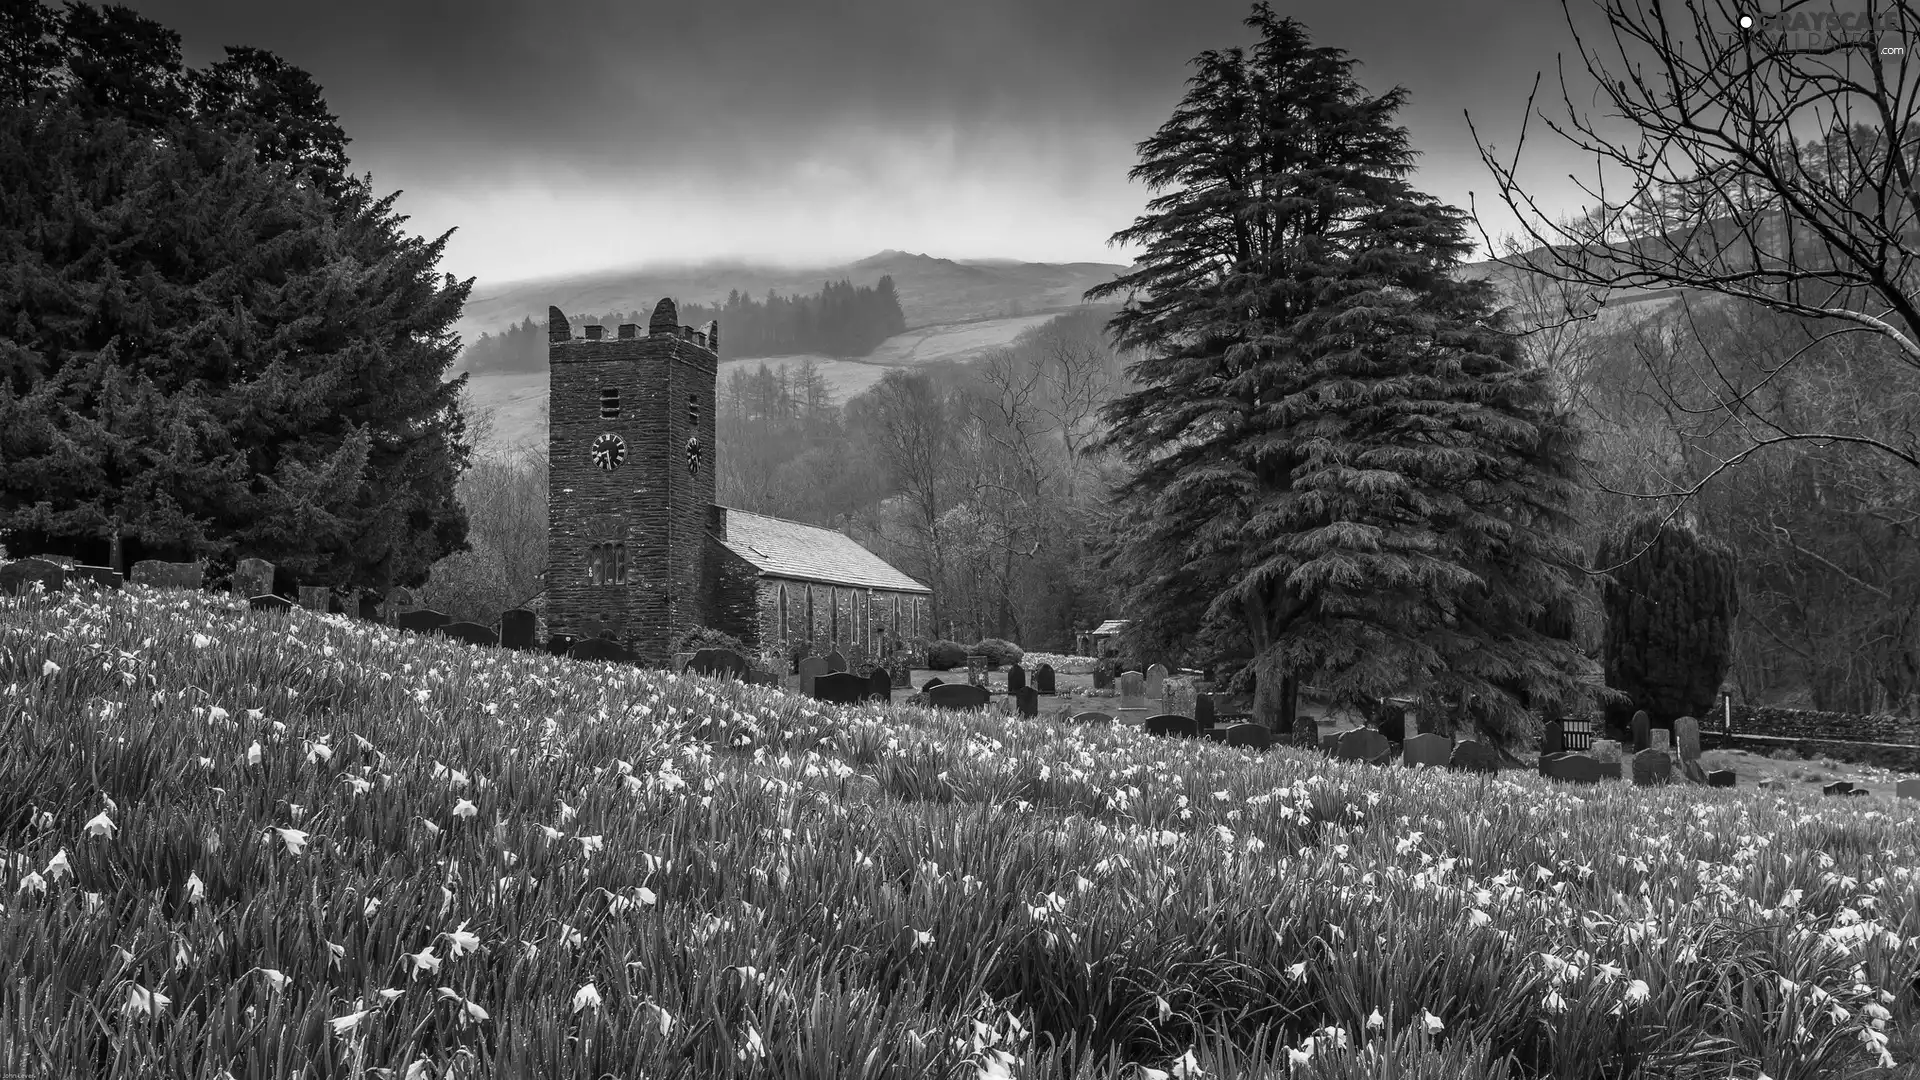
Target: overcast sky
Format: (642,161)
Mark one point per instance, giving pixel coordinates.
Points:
(561,135)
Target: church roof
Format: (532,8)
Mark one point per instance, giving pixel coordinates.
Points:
(789,549)
(1111,626)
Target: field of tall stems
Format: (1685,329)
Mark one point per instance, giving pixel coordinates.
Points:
(279,845)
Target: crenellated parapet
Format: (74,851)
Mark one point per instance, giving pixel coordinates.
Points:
(664,324)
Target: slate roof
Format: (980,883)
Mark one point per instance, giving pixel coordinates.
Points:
(1111,626)
(789,549)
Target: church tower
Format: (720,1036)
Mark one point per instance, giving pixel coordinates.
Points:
(630,480)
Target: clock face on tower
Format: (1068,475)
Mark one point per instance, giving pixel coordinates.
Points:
(609,451)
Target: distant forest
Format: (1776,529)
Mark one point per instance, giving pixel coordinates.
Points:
(839,320)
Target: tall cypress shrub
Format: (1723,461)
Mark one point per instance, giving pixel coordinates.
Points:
(1670,603)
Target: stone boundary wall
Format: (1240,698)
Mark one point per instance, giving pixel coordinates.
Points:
(1896,756)
(1779,723)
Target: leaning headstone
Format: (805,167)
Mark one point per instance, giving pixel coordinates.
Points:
(16,577)
(720,663)
(1361,744)
(880,685)
(1472,755)
(1256,736)
(1652,767)
(1725,777)
(1016,679)
(596,649)
(1157,681)
(836,661)
(1043,679)
(958,696)
(1660,739)
(1578,768)
(931,683)
(1553,739)
(1686,739)
(423,621)
(315,597)
(517,628)
(1028,701)
(1102,678)
(169,575)
(1642,731)
(269,602)
(811,668)
(252,577)
(1429,749)
(470,632)
(1091,718)
(840,687)
(1838,787)
(1171,724)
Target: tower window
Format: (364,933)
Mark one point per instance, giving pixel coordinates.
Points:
(607,564)
(609,403)
(693,411)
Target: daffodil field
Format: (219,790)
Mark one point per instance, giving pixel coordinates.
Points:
(279,845)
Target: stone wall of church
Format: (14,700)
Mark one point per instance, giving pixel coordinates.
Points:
(819,618)
(733,595)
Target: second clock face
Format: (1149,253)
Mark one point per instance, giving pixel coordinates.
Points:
(609,451)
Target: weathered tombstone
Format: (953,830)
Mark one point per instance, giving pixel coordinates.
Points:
(1553,739)
(16,577)
(598,649)
(559,644)
(1102,678)
(1578,768)
(1043,679)
(315,597)
(836,661)
(1203,710)
(811,668)
(1431,750)
(1472,755)
(1091,718)
(1157,681)
(1652,767)
(1642,731)
(977,670)
(1133,687)
(1361,744)
(841,688)
(517,627)
(1686,739)
(880,685)
(1725,778)
(1838,787)
(169,575)
(470,632)
(269,602)
(1253,735)
(252,577)
(931,683)
(1660,739)
(424,621)
(106,577)
(1016,679)
(958,696)
(721,663)
(1170,724)
(1028,700)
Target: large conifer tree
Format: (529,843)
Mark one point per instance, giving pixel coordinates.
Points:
(1334,442)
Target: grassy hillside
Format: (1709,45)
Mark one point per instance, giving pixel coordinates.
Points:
(257,844)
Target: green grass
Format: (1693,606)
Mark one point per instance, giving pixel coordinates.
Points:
(754,884)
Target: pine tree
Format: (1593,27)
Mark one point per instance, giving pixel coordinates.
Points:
(1670,604)
(1334,441)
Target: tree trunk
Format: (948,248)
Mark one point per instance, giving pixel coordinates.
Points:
(1276,702)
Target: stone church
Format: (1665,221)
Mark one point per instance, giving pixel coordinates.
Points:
(637,548)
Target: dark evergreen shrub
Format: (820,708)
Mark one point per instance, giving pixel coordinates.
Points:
(1670,601)
(946,655)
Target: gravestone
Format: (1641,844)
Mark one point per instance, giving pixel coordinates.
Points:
(1693,772)
(1091,718)
(1329,742)
(269,602)
(1133,689)
(1642,731)
(1660,739)
(1553,739)
(1028,701)
(1156,687)
(369,608)
(1906,789)
(1651,767)
(1102,678)
(335,605)
(1578,768)
(880,685)
(836,661)
(315,597)
(1609,770)
(1686,739)
(470,632)
(841,688)
(931,683)
(977,670)
(1431,750)
(1016,679)
(1472,755)
(106,577)
(763,677)
(517,627)
(721,663)
(958,696)
(252,577)
(1043,679)
(595,649)
(1361,744)
(1838,787)
(423,621)
(1171,724)
(1257,736)
(1725,778)
(169,575)
(16,577)
(811,668)
(559,644)
(1203,710)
